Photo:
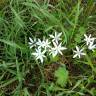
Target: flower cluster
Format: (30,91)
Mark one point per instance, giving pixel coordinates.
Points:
(90,44)
(53,46)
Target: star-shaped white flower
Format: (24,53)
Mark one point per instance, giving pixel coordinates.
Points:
(79,52)
(92,46)
(53,52)
(57,49)
(56,38)
(46,44)
(39,55)
(32,43)
(40,43)
(88,39)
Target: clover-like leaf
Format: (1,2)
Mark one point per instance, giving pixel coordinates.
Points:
(62,76)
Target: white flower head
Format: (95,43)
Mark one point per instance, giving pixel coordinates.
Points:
(46,44)
(92,46)
(40,43)
(53,52)
(88,39)
(79,52)
(39,55)
(57,49)
(56,38)
(32,43)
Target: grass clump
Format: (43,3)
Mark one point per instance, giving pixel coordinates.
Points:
(20,73)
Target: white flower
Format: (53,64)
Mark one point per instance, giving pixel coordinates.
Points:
(53,52)
(78,52)
(39,55)
(92,46)
(40,44)
(32,43)
(88,39)
(46,44)
(57,49)
(56,38)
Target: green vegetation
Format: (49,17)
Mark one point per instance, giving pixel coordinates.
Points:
(20,74)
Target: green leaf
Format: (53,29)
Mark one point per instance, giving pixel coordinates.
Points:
(77,84)
(17,18)
(26,93)
(11,43)
(51,87)
(80,34)
(54,59)
(62,76)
